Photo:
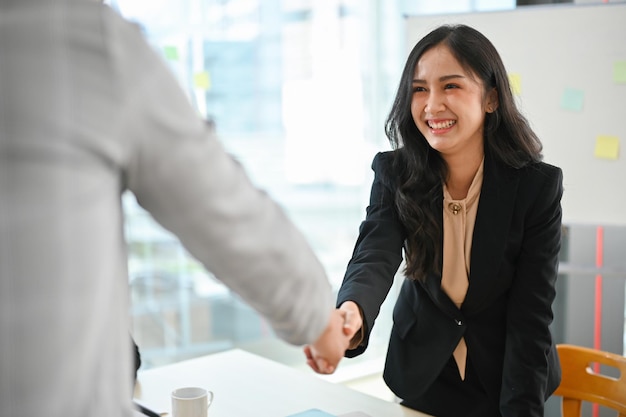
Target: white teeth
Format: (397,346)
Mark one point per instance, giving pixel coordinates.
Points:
(442,125)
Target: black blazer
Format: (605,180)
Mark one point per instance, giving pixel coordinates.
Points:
(506,314)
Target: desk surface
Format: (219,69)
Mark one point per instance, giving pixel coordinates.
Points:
(247,385)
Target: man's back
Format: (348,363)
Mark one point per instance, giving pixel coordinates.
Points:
(87,110)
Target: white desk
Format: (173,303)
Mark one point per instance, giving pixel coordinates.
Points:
(247,385)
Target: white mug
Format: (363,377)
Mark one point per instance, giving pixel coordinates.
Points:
(191,402)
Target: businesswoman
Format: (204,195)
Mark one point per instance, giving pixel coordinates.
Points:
(465,198)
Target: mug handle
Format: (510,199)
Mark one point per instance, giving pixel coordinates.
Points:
(210,398)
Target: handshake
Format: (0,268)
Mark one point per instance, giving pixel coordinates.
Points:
(343,332)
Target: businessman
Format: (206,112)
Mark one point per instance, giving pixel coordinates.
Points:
(87,111)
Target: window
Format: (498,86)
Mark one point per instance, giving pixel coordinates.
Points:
(282,82)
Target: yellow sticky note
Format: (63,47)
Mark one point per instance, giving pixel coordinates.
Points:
(171,53)
(516,83)
(619,72)
(202,80)
(607,147)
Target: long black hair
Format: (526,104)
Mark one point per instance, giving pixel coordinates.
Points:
(421,170)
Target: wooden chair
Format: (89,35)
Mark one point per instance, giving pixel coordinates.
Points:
(580,383)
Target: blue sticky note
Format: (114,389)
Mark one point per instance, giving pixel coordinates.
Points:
(572,99)
(314,412)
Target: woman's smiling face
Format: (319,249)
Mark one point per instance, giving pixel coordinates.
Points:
(449,104)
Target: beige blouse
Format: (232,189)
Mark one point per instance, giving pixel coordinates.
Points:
(459,217)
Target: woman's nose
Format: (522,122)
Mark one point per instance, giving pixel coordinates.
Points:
(434,103)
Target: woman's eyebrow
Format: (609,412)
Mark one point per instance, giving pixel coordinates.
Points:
(441,79)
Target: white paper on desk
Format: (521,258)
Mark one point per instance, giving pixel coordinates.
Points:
(355,414)
(314,412)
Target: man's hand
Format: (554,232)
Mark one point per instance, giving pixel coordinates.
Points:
(324,354)
(343,332)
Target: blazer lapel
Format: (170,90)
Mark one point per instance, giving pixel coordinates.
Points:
(493,220)
(432,283)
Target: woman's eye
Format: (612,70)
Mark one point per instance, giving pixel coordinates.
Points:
(418,89)
(451,86)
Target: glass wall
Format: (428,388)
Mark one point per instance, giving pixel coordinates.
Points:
(294,91)
(298,91)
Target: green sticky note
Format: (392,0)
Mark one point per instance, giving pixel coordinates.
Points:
(607,147)
(572,99)
(516,84)
(619,72)
(202,80)
(171,53)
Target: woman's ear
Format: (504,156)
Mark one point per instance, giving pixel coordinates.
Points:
(491,103)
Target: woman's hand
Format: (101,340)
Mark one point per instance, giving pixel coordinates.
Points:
(353,323)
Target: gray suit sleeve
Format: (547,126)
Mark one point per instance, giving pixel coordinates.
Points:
(182,175)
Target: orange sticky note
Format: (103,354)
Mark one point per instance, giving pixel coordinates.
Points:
(516,83)
(607,147)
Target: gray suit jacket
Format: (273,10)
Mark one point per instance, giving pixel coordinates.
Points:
(507,311)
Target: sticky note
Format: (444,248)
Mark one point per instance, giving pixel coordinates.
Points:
(171,53)
(202,80)
(619,72)
(607,147)
(572,99)
(516,83)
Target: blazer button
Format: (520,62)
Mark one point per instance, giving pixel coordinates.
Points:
(459,322)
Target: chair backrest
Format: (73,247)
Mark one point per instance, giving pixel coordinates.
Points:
(580,383)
